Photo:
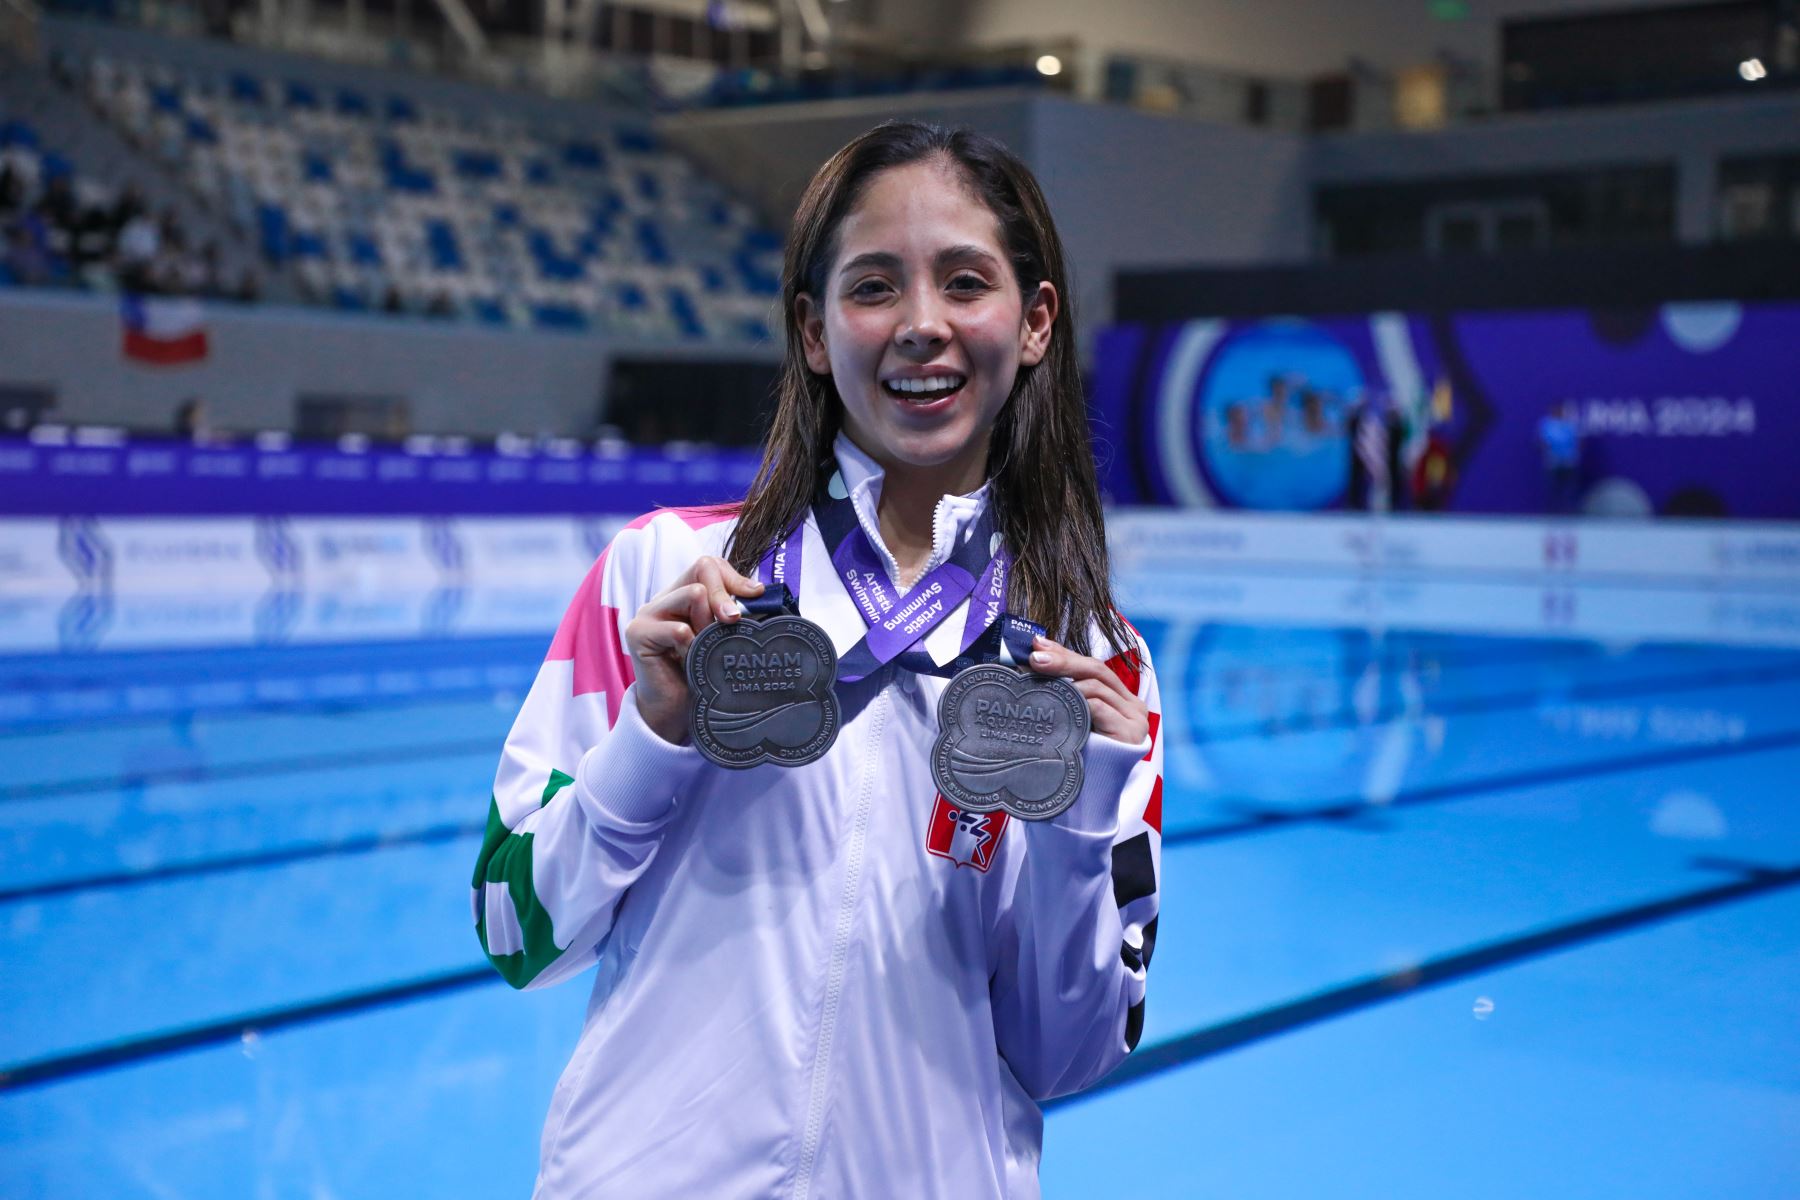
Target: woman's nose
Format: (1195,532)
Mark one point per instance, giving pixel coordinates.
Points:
(922,326)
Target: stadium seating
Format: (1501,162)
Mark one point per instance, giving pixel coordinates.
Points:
(382,201)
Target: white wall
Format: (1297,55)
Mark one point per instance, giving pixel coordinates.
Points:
(456,378)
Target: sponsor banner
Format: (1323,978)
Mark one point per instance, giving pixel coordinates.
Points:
(31,558)
(1681,410)
(58,471)
(524,549)
(362,555)
(162,554)
(1144,540)
(1581,611)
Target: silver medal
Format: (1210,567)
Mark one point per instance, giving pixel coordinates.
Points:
(762,692)
(1010,740)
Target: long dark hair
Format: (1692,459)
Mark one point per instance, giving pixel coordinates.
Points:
(1040,461)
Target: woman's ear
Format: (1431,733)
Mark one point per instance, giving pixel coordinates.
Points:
(1034,330)
(811,323)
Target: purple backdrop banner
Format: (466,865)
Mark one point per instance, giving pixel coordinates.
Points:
(1686,409)
(171,478)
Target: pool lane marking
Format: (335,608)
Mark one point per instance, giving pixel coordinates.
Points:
(1146,1061)
(231,1029)
(1185,1049)
(1356,808)
(201,773)
(335,706)
(363,844)
(1355,814)
(1387,713)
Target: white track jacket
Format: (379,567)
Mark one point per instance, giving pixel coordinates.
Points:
(820,981)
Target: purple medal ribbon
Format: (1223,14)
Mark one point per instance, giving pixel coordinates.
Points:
(898,624)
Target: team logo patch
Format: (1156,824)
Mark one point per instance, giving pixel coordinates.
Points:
(967,839)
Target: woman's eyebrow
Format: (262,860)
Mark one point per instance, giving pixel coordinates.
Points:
(884,260)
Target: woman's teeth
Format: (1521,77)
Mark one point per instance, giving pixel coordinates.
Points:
(932,387)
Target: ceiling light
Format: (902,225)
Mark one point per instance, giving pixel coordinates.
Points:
(1049,64)
(1751,70)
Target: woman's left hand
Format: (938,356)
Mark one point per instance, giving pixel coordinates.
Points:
(1114,710)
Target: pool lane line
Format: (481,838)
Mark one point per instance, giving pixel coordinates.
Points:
(101,1058)
(201,773)
(1387,713)
(303,852)
(1341,812)
(348,704)
(249,770)
(1354,808)
(1145,1061)
(329,706)
(1185,1049)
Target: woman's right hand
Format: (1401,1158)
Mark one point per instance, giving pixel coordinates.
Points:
(659,635)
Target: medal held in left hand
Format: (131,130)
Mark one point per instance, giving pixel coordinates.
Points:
(762,688)
(1012,740)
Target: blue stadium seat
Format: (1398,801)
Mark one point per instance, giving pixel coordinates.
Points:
(200,130)
(487,310)
(686,319)
(18,133)
(476,164)
(650,240)
(301,95)
(306,243)
(558,316)
(636,141)
(586,155)
(272,227)
(364,251)
(440,243)
(246,89)
(352,103)
(315,168)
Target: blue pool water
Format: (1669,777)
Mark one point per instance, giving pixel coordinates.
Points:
(1444,914)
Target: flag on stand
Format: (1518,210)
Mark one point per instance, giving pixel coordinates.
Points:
(163,331)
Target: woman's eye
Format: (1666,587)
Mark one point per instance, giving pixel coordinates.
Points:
(968,283)
(869,288)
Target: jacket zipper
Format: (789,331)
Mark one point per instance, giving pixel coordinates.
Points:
(840,957)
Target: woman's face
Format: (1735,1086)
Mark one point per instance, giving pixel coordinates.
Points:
(922,326)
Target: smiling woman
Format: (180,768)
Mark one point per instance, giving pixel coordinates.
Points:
(798,986)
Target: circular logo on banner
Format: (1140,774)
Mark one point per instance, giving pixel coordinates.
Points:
(1270,416)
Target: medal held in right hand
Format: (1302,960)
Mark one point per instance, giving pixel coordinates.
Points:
(762,690)
(762,687)
(1010,739)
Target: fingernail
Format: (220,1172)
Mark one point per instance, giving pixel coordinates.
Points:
(1039,640)
(1040,659)
(733,608)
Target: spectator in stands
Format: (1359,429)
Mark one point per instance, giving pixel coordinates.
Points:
(60,208)
(12,190)
(27,263)
(135,253)
(190,421)
(1560,439)
(248,289)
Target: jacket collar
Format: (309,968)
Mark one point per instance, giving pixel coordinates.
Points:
(862,477)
